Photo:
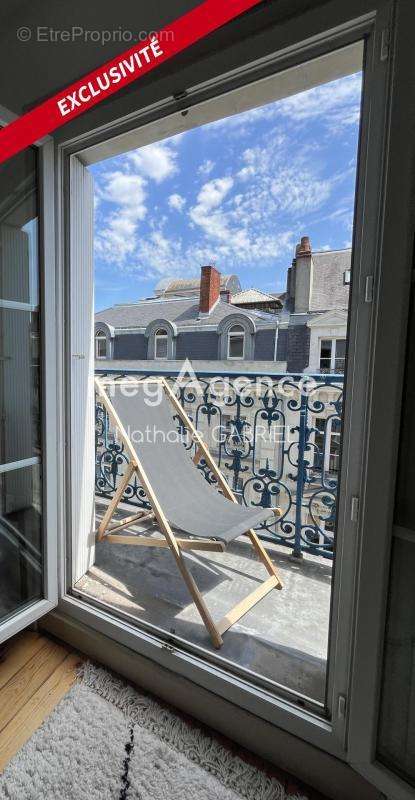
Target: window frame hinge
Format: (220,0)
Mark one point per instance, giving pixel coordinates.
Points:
(385,44)
(355,508)
(341,706)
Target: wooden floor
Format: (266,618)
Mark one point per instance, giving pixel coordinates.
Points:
(35,673)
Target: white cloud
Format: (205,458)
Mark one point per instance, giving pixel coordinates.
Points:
(156,161)
(207,213)
(127,191)
(116,239)
(206,167)
(176,201)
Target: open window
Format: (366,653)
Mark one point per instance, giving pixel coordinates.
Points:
(28,501)
(283,444)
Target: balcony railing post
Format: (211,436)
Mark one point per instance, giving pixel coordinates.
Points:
(301,475)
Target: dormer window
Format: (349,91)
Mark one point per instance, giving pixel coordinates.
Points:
(236,342)
(101,349)
(161,344)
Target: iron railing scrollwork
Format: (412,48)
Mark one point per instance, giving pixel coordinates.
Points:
(276,438)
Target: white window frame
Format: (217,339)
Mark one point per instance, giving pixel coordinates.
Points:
(158,336)
(51,441)
(368,260)
(100,336)
(233,334)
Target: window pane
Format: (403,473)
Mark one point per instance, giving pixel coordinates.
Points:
(19,385)
(161,346)
(340,348)
(20,538)
(19,229)
(20,415)
(396,743)
(236,346)
(325,355)
(100,347)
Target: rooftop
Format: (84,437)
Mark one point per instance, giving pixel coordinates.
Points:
(184,312)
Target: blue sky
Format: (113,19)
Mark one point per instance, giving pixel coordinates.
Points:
(237,193)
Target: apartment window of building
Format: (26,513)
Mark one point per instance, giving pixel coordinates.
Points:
(100,345)
(236,342)
(332,355)
(161,344)
(327,453)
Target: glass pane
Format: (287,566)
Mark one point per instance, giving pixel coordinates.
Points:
(19,385)
(19,279)
(161,346)
(20,538)
(396,743)
(325,355)
(100,347)
(236,346)
(21,546)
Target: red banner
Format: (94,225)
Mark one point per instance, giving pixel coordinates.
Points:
(117,73)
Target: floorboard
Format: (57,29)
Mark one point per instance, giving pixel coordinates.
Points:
(35,673)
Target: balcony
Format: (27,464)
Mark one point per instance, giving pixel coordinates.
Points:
(277,440)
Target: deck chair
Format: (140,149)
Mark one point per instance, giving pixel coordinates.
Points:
(179,496)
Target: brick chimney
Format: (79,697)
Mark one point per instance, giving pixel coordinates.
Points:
(303,275)
(209,289)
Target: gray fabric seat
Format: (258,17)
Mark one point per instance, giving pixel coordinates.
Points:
(188,501)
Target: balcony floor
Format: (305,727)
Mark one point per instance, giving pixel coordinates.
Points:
(283,638)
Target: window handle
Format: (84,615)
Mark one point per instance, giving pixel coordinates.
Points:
(78,355)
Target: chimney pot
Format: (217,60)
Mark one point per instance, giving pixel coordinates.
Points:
(209,289)
(304,248)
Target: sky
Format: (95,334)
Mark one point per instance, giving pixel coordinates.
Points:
(237,193)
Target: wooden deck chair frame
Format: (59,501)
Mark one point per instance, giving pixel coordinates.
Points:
(177,545)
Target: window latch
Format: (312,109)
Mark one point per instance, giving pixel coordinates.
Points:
(369,289)
(384,44)
(354,509)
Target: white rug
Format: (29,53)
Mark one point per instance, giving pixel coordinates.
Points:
(106,741)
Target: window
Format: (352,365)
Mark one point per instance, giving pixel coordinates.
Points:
(21,389)
(346,277)
(327,452)
(100,345)
(332,355)
(236,342)
(160,344)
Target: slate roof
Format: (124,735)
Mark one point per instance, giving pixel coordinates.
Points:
(184,312)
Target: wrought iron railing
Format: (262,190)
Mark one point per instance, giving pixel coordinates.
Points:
(275,437)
